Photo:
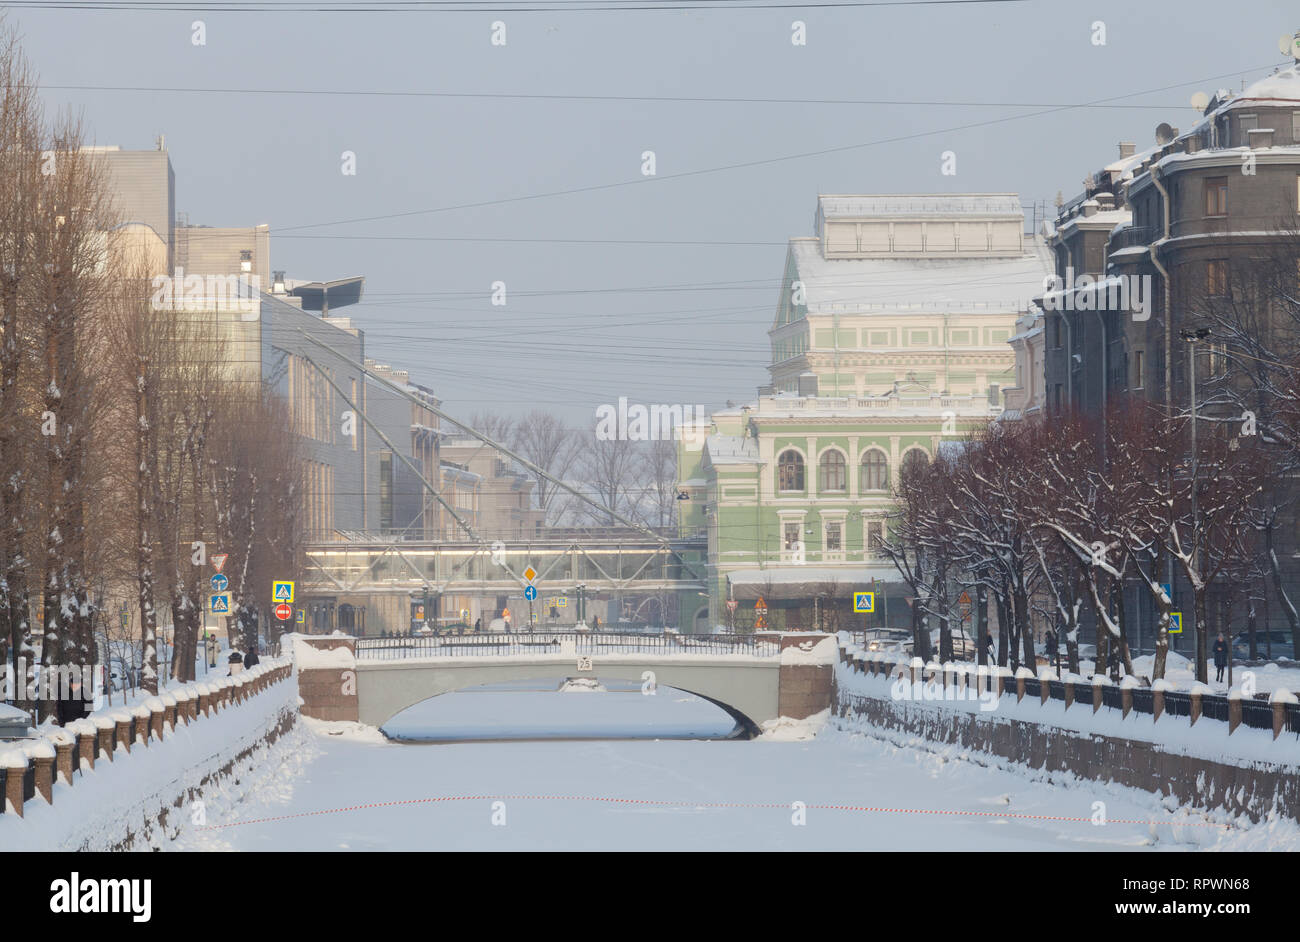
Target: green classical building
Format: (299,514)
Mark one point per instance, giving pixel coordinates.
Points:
(890,337)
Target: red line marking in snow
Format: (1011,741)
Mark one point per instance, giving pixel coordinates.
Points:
(690,804)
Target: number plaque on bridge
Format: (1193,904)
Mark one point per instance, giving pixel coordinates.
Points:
(584,663)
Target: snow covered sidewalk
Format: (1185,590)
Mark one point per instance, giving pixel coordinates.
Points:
(86,801)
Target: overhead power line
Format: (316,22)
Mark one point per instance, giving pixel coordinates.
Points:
(520,96)
(760,162)
(475,6)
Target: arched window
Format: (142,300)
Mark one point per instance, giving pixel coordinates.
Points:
(790,471)
(914,459)
(874,471)
(831,472)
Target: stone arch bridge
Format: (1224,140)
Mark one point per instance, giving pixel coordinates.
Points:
(756,679)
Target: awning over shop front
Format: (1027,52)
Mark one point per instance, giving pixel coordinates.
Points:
(792,583)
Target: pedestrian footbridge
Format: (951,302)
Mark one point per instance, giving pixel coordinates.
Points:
(756,679)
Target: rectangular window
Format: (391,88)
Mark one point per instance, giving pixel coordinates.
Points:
(1245,124)
(1216,196)
(1137,368)
(1056,331)
(385,491)
(1218,359)
(875,536)
(1058,400)
(834,537)
(791,535)
(1216,277)
(1295,127)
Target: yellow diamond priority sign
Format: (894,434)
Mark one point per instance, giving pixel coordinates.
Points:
(530,573)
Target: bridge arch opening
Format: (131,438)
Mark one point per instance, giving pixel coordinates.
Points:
(554,707)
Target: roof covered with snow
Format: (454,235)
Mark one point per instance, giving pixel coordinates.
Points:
(887,285)
(731,449)
(918,204)
(1281,86)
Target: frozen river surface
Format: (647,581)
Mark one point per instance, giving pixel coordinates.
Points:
(344,787)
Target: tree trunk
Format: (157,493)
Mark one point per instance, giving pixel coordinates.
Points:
(1004,629)
(1202,647)
(1020,600)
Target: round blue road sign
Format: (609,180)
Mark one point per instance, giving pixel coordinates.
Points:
(530,593)
(219,583)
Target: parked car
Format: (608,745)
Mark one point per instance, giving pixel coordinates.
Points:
(887,639)
(123,674)
(1279,638)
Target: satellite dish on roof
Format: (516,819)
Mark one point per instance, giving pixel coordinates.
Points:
(1164,133)
(1200,101)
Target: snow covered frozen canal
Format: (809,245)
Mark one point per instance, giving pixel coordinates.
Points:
(333,786)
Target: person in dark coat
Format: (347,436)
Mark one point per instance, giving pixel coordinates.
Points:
(1051,645)
(478,625)
(73,706)
(988,648)
(1220,651)
(251,657)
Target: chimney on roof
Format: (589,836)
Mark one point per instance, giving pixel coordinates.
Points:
(1194,144)
(768,390)
(1126,149)
(1105,200)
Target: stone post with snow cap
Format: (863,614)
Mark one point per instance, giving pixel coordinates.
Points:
(1098,681)
(15,765)
(64,743)
(41,754)
(87,742)
(122,723)
(1234,710)
(104,728)
(1126,685)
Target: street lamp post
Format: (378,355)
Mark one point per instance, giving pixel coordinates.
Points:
(1192,337)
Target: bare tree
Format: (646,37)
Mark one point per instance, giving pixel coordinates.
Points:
(544,440)
(20,140)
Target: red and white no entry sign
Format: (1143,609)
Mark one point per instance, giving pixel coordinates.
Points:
(283,612)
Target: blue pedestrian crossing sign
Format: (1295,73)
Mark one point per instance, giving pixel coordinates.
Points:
(864,601)
(282,592)
(220,603)
(1175,623)
(530,592)
(219,583)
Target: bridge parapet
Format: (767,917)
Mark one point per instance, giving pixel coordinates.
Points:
(572,643)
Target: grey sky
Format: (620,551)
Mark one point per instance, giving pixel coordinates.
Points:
(580,328)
